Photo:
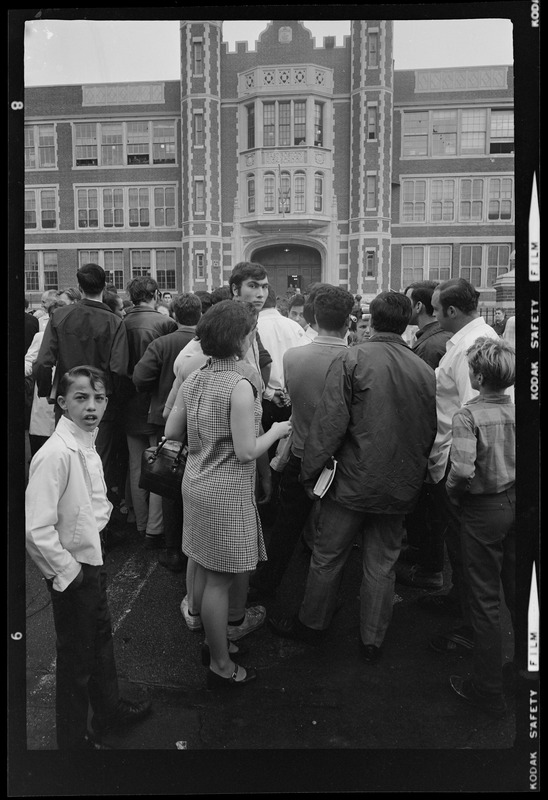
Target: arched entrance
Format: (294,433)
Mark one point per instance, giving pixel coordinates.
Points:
(288,265)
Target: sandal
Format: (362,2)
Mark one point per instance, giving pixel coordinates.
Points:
(452,642)
(216,681)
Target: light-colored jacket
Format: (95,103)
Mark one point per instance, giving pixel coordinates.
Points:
(61,528)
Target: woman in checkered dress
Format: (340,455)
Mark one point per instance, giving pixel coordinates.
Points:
(219,411)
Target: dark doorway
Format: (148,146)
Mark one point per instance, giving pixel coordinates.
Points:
(290,265)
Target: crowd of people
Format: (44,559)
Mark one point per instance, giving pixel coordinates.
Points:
(409,405)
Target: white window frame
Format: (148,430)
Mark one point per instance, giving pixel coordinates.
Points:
(41,270)
(97,142)
(37,148)
(199,265)
(474,192)
(422,267)
(106,258)
(425,121)
(153,253)
(466,271)
(124,191)
(39,194)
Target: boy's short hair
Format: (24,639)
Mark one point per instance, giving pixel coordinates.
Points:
(297,300)
(332,307)
(205,299)
(91,278)
(243,271)
(390,312)
(220,293)
(187,309)
(458,292)
(495,360)
(223,327)
(308,308)
(94,374)
(142,289)
(423,291)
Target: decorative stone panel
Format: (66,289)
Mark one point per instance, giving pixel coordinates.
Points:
(285,78)
(461,79)
(122,94)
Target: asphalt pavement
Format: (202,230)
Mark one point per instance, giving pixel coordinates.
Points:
(396,723)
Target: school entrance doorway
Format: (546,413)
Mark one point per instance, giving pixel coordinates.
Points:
(290,266)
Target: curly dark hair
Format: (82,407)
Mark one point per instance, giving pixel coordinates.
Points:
(222,329)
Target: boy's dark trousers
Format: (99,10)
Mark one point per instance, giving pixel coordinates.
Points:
(86,670)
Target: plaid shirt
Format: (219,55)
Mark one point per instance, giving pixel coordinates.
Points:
(483,448)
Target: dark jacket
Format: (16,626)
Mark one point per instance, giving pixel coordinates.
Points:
(86,332)
(377,417)
(154,371)
(431,343)
(143,325)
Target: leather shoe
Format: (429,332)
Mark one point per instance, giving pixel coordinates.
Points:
(155,541)
(293,628)
(126,713)
(370,653)
(172,560)
(494,705)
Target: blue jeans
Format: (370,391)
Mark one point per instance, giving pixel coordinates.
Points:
(381,544)
(489,560)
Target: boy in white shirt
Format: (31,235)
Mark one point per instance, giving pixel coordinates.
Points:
(67,510)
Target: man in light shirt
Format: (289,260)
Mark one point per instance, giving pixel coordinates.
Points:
(455,304)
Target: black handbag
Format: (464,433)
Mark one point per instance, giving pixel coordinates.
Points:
(162,468)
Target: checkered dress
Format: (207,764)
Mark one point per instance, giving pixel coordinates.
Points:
(221,525)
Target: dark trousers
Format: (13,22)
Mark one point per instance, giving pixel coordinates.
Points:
(294,506)
(489,560)
(172,512)
(86,670)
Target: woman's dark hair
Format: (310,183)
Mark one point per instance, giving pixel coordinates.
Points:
(390,312)
(222,329)
(95,376)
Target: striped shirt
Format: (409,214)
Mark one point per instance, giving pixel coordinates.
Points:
(483,448)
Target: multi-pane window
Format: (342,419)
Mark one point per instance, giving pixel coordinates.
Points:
(124,143)
(414,201)
(199,201)
(126,207)
(158,264)
(41,270)
(163,142)
(444,133)
(420,262)
(318,124)
(284,123)
(471,263)
(165,269)
(502,131)
(112,144)
(445,200)
(412,264)
(40,209)
(299,125)
(39,146)
(371,122)
(471,199)
(269,188)
(251,126)
(318,192)
(483,264)
(370,262)
(112,262)
(371,191)
(500,198)
(373,50)
(164,206)
(498,262)
(138,143)
(197,58)
(442,200)
(250,194)
(457,132)
(285,193)
(139,208)
(300,192)
(113,208)
(198,130)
